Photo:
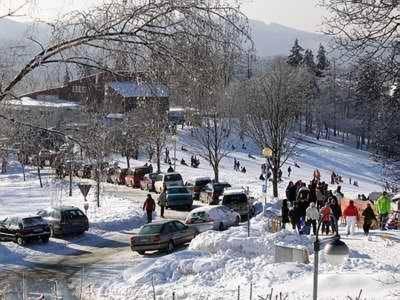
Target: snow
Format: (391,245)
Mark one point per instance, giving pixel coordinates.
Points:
(115,116)
(216,263)
(133,89)
(116,213)
(56,103)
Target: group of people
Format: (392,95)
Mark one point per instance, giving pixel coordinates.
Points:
(305,205)
(237,167)
(266,173)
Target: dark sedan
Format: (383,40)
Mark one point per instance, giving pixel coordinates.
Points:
(162,236)
(24,229)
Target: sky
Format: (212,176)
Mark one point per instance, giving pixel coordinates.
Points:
(299,14)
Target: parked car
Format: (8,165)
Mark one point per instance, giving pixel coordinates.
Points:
(197,184)
(85,171)
(65,220)
(147,182)
(170,179)
(24,229)
(179,196)
(237,200)
(211,192)
(137,175)
(164,235)
(217,217)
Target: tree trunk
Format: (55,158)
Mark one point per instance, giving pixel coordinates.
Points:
(128,165)
(98,187)
(39,175)
(158,154)
(216,172)
(23,170)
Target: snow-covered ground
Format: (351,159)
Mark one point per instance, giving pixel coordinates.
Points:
(115,214)
(216,263)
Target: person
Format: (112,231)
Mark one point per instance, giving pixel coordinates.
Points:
(312,216)
(170,169)
(162,199)
(317,175)
(333,176)
(149,206)
(336,212)
(262,177)
(326,219)
(383,208)
(285,213)
(289,170)
(291,192)
(320,196)
(183,162)
(243,169)
(369,217)
(351,215)
(279,175)
(234,164)
(296,165)
(166,155)
(339,195)
(294,215)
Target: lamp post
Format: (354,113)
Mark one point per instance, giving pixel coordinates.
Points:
(174,138)
(335,251)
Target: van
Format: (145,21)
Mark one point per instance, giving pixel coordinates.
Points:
(170,179)
(236,200)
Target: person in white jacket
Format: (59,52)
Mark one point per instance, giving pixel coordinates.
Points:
(312,216)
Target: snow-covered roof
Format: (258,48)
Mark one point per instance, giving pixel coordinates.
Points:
(133,89)
(27,101)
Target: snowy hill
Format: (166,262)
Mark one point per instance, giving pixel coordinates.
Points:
(275,39)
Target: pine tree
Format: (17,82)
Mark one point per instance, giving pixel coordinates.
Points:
(322,61)
(308,62)
(296,56)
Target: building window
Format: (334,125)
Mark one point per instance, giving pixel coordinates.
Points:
(78,89)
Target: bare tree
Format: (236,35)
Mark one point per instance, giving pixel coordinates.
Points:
(152,117)
(271,102)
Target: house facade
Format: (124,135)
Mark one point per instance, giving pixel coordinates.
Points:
(107,92)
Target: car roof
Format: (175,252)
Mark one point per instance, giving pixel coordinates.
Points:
(234,191)
(160,222)
(20,217)
(201,178)
(205,208)
(65,207)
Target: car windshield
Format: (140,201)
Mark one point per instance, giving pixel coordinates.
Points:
(173,177)
(234,198)
(27,222)
(74,214)
(219,187)
(179,190)
(202,182)
(151,229)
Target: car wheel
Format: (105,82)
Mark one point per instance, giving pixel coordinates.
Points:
(45,239)
(171,247)
(237,221)
(141,252)
(221,226)
(20,241)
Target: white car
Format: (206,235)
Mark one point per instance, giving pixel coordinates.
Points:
(217,217)
(170,179)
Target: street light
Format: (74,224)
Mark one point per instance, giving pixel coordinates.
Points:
(335,251)
(174,139)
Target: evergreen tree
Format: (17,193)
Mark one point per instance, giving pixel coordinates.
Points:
(296,56)
(308,62)
(322,61)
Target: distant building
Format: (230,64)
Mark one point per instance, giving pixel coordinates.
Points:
(106,92)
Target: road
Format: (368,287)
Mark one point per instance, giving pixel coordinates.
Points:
(101,258)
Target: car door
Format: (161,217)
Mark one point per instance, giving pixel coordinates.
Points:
(184,233)
(229,216)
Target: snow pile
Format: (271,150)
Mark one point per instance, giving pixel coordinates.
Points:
(215,264)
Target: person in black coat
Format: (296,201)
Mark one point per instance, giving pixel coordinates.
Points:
(336,211)
(294,215)
(285,213)
(291,192)
(369,217)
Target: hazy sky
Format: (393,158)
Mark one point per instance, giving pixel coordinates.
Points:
(300,14)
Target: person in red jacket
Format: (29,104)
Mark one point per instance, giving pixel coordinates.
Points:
(149,205)
(326,213)
(351,215)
